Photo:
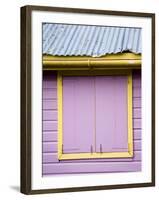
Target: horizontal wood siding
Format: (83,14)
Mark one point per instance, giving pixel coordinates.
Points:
(52,158)
(50,162)
(52,146)
(81,167)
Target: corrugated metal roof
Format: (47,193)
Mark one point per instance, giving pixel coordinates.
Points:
(85,40)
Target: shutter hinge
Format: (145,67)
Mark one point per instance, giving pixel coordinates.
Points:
(91,149)
(101,151)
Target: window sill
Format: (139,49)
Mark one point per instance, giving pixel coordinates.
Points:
(75,156)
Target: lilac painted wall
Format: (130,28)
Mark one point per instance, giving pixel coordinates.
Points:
(50,162)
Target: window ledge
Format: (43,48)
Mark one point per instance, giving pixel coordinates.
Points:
(95,155)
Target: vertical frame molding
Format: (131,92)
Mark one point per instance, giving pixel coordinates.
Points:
(61,155)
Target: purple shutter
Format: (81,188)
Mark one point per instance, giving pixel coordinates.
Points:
(78,114)
(111,114)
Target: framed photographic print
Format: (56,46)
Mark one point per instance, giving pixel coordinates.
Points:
(87,99)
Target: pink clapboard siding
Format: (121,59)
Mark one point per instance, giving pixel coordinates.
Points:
(50,162)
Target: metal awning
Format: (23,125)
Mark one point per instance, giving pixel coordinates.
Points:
(86,40)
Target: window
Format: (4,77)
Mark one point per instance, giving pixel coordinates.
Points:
(95,115)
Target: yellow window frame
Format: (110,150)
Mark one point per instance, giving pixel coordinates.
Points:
(64,156)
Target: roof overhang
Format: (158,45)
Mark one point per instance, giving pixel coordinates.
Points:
(111,61)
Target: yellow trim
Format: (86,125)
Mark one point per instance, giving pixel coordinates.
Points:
(69,68)
(119,61)
(60,128)
(118,56)
(128,154)
(95,155)
(130,104)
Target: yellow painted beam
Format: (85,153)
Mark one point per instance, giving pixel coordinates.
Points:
(119,56)
(120,61)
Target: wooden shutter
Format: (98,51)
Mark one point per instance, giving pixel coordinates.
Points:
(78,114)
(111,114)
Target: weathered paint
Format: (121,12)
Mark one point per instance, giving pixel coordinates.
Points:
(51,164)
